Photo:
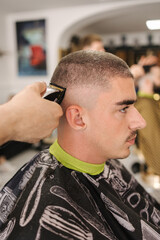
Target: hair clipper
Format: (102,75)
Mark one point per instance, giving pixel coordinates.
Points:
(54,93)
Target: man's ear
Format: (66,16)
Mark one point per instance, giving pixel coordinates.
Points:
(75,117)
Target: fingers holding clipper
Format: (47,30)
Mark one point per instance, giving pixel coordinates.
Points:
(38,87)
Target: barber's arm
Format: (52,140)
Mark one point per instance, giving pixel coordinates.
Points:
(27,116)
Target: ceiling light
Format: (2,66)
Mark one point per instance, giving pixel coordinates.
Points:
(153,24)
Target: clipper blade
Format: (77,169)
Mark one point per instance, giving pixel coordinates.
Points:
(54,93)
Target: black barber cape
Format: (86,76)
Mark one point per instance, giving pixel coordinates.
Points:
(46,200)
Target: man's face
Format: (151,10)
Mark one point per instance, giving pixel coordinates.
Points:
(113,121)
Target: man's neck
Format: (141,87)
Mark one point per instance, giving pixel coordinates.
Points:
(73,163)
(80,149)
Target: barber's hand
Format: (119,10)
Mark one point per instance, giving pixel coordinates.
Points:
(148,60)
(34,118)
(137,71)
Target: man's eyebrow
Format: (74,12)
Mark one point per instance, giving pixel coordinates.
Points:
(126,102)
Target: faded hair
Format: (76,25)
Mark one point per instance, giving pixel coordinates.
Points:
(89,68)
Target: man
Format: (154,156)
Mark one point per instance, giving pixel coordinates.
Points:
(76,190)
(92,42)
(145,65)
(27,117)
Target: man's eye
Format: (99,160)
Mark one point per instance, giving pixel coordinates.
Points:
(123,110)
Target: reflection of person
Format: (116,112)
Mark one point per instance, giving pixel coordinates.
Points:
(27,117)
(69,192)
(92,42)
(144,65)
(148,61)
(88,42)
(138,72)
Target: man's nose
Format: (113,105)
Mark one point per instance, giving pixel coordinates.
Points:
(137,121)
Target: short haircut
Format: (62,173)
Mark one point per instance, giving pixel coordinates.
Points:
(89,68)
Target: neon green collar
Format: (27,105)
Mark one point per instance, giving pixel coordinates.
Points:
(74,163)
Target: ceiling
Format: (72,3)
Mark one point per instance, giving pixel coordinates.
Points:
(22,5)
(125,20)
(131,19)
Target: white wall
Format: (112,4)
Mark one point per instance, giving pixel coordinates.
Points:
(142,38)
(58,20)
(3,60)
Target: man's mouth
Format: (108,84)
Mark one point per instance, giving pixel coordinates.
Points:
(131,138)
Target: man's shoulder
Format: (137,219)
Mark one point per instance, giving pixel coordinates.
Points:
(114,163)
(38,165)
(144,103)
(45,158)
(144,100)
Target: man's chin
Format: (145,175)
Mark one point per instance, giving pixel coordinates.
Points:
(120,154)
(125,154)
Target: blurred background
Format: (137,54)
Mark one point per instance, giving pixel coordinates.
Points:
(36,34)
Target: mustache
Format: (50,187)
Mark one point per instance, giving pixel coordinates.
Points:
(131,136)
